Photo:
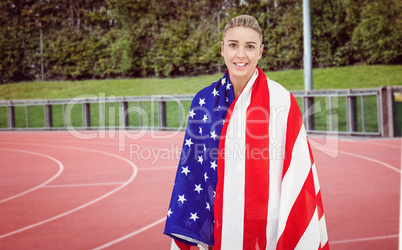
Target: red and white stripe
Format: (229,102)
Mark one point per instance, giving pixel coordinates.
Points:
(267,202)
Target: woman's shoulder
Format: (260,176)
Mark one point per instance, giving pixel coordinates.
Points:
(276,88)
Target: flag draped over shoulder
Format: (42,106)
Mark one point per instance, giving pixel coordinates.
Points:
(246,177)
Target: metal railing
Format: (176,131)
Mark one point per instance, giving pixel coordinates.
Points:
(324,111)
(355,114)
(156,111)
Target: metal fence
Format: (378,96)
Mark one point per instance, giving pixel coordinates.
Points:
(341,107)
(349,112)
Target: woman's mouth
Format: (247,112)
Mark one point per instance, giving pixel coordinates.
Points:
(240,64)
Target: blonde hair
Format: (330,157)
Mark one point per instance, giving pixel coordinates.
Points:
(245,21)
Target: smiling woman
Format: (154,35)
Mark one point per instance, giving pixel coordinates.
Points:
(241,48)
(246,177)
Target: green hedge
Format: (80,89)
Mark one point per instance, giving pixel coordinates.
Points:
(126,38)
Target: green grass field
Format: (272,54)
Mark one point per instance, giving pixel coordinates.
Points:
(330,78)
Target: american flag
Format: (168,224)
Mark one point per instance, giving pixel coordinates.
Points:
(267,195)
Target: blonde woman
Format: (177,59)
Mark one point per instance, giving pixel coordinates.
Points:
(246,178)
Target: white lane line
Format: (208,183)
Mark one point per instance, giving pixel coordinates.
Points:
(364,239)
(84,185)
(131,234)
(365,158)
(383,144)
(86,204)
(41,185)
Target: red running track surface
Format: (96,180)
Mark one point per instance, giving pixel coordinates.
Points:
(111,190)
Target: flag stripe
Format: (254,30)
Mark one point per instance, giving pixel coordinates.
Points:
(234,185)
(316,184)
(279,110)
(293,130)
(233,189)
(218,207)
(257,167)
(300,215)
(323,232)
(309,240)
(176,245)
(294,179)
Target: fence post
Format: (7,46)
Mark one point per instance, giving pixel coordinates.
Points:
(124,122)
(162,113)
(86,115)
(397,112)
(140,114)
(353,121)
(11,116)
(309,112)
(387,119)
(48,116)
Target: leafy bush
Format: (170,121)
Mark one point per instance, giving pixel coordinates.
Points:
(127,38)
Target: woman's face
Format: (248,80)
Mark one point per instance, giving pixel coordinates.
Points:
(241,49)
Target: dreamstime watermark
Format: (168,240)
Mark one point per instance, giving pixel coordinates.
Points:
(257,117)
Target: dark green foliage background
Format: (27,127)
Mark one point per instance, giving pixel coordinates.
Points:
(92,39)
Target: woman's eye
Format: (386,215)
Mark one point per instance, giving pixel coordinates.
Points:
(250,47)
(233,45)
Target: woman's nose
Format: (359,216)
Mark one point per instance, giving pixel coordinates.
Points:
(240,52)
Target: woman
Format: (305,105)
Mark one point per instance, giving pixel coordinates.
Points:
(246,178)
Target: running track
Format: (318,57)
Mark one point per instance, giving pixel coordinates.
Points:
(111,190)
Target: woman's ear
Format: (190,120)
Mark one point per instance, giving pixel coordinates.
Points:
(222,48)
(261,49)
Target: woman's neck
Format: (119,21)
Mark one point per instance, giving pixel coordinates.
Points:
(239,83)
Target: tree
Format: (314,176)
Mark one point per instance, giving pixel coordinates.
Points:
(378,35)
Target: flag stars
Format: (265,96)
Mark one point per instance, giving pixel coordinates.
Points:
(201,102)
(205,118)
(200,131)
(227,99)
(170,212)
(205,148)
(200,160)
(182,199)
(191,113)
(198,188)
(194,216)
(188,142)
(185,170)
(206,176)
(223,80)
(208,207)
(213,165)
(228,86)
(213,135)
(215,93)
